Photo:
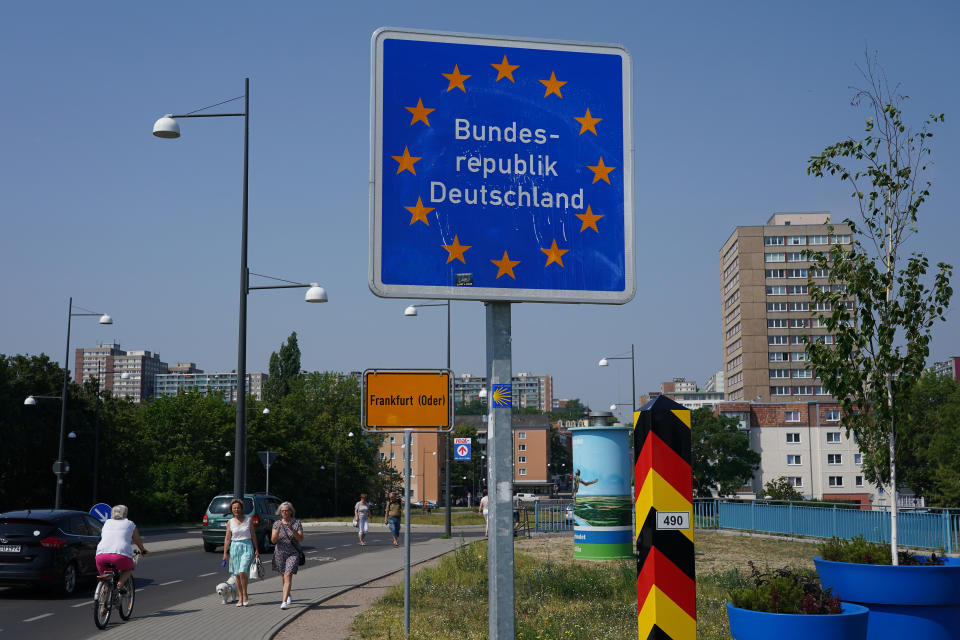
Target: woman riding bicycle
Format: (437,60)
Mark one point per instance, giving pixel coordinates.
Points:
(116,544)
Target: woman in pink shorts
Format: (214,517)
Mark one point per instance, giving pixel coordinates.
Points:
(116,544)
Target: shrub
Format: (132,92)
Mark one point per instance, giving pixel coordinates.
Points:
(785,591)
(857,550)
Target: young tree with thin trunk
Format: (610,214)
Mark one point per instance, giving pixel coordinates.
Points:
(881,309)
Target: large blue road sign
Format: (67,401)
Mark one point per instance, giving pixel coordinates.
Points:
(101,511)
(501,169)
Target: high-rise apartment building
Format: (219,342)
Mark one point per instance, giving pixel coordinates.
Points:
(126,374)
(528,390)
(949,367)
(224,383)
(766,314)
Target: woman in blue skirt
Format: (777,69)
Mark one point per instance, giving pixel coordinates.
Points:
(241,546)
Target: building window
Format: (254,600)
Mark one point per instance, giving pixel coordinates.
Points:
(779,373)
(835,481)
(791,416)
(383,456)
(777,306)
(798,339)
(796,273)
(796,256)
(793,438)
(798,290)
(777,290)
(778,339)
(774,257)
(802,373)
(734,330)
(833,437)
(841,239)
(732,251)
(796,240)
(817,240)
(799,323)
(858,481)
(799,306)
(522,472)
(522,435)
(858,459)
(392,439)
(819,273)
(393,455)
(776,273)
(736,378)
(794,460)
(803,391)
(796,481)
(834,458)
(521,447)
(522,459)
(777,323)
(779,391)
(771,241)
(778,356)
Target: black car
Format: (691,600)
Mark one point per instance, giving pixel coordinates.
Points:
(55,548)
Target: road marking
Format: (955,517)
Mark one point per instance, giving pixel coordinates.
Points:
(204,575)
(40,617)
(328,548)
(82,604)
(163,584)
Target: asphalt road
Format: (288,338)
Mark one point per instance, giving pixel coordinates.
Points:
(162,580)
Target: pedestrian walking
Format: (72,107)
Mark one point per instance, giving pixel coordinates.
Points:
(485,510)
(392,516)
(287,535)
(361,518)
(241,546)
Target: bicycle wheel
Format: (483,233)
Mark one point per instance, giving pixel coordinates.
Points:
(101,605)
(125,607)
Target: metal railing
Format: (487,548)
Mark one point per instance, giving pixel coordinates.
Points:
(925,528)
(551,516)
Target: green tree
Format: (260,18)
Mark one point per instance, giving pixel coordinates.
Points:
(722,457)
(284,369)
(574,410)
(882,312)
(780,489)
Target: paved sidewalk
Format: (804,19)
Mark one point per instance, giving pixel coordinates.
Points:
(318,580)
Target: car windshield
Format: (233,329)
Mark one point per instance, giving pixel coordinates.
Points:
(221,506)
(24,528)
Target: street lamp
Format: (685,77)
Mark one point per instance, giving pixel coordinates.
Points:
(633,380)
(412,311)
(59,467)
(167,127)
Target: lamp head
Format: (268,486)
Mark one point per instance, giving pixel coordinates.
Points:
(350,434)
(106,319)
(227,454)
(30,401)
(410,311)
(316,293)
(613,407)
(166,127)
(266,411)
(603,362)
(483,392)
(72,435)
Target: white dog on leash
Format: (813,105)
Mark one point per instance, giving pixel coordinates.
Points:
(228,590)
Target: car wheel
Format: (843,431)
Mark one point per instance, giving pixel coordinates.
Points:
(68,580)
(209,546)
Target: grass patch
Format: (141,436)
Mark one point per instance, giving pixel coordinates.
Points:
(559,598)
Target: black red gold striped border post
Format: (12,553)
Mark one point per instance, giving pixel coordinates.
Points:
(663,482)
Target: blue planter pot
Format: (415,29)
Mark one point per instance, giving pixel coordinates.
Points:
(904,602)
(759,625)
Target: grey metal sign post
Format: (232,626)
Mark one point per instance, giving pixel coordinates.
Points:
(267,458)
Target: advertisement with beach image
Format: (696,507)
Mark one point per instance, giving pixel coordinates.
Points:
(602,498)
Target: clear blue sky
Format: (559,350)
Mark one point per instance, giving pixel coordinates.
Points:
(730,99)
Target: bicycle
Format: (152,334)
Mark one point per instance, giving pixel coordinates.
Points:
(108,595)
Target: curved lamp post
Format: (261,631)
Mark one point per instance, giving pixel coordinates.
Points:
(60,467)
(168,127)
(633,384)
(412,311)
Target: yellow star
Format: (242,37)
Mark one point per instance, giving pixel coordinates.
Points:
(456,250)
(505,266)
(420,113)
(553,85)
(456,79)
(554,254)
(587,122)
(407,161)
(504,69)
(419,212)
(589,220)
(600,172)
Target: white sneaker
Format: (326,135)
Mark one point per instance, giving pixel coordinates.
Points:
(284,605)
(289,601)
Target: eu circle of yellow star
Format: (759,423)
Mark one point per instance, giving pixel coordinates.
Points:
(419,212)
(505,266)
(420,113)
(587,123)
(589,220)
(554,254)
(456,250)
(601,172)
(553,85)
(456,79)
(407,161)
(504,70)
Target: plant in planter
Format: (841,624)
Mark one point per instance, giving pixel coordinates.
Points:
(881,311)
(791,605)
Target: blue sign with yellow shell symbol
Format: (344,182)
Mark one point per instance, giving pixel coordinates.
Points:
(501,169)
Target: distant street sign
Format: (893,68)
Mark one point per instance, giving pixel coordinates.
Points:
(461,449)
(398,399)
(501,169)
(101,511)
(267,458)
(61,468)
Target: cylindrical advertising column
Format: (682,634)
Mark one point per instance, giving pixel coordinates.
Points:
(602,498)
